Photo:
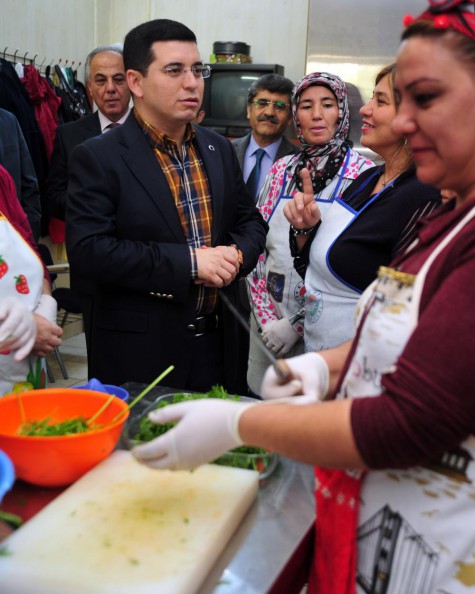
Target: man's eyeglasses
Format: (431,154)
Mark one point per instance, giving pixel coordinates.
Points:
(264,103)
(200,71)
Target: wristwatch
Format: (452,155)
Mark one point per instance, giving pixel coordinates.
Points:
(240,256)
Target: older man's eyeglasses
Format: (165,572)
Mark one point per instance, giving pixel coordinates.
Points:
(199,70)
(264,104)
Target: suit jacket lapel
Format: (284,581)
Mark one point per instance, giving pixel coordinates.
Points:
(211,155)
(240,146)
(91,126)
(141,160)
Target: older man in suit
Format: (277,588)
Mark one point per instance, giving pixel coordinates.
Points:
(269,114)
(107,87)
(160,221)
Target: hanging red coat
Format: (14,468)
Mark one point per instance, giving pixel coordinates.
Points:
(45,104)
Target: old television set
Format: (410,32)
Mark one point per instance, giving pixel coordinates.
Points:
(225,95)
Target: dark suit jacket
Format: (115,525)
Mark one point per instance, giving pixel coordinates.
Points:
(240,144)
(123,233)
(15,157)
(68,136)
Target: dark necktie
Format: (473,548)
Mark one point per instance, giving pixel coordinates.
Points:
(111,126)
(253,179)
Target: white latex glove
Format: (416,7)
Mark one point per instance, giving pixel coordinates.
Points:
(312,378)
(17,328)
(206,429)
(47,307)
(279,336)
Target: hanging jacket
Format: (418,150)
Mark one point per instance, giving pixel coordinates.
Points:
(45,104)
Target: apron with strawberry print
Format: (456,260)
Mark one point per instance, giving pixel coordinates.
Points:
(21,276)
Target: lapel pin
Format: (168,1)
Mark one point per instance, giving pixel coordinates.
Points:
(211,147)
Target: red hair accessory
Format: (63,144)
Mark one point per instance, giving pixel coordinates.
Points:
(448,14)
(407,20)
(445,5)
(442,22)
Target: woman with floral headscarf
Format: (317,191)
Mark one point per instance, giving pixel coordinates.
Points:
(339,250)
(276,291)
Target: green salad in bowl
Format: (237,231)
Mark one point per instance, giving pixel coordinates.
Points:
(140,430)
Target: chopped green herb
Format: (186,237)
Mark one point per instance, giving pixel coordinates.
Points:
(11,519)
(242,457)
(4,552)
(44,428)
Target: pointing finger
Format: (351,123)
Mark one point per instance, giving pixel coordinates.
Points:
(307,186)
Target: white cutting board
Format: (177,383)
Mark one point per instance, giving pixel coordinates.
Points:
(126,529)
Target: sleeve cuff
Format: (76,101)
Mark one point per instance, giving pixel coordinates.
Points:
(194,264)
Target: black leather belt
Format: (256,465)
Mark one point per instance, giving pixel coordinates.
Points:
(203,324)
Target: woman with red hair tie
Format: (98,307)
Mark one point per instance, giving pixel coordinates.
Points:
(393,441)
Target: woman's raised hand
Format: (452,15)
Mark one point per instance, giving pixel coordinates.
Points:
(302,211)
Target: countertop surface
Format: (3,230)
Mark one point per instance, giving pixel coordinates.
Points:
(270,551)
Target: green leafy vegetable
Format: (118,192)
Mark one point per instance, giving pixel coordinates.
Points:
(241,457)
(11,519)
(44,428)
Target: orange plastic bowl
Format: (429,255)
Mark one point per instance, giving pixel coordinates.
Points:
(59,460)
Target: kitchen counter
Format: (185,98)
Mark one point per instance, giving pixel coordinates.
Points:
(270,551)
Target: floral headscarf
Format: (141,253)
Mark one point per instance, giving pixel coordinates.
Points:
(322,160)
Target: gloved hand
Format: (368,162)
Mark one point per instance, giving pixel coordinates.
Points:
(206,429)
(279,336)
(17,328)
(312,378)
(47,307)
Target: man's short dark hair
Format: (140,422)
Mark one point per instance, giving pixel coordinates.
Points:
(138,54)
(274,83)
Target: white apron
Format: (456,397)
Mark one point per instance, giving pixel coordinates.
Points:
(330,302)
(21,276)
(417,526)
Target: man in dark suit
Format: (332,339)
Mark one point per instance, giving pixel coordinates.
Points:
(108,90)
(159,220)
(269,114)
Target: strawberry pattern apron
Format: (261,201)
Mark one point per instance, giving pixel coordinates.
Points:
(21,276)
(416,527)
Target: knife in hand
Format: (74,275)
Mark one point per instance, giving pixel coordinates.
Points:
(280,366)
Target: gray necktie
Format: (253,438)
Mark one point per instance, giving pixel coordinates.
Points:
(253,179)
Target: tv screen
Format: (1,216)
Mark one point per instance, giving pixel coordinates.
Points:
(225,96)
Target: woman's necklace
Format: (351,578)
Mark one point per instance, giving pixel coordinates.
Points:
(385,181)
(387,178)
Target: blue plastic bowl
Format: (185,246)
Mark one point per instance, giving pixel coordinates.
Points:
(7,474)
(95,384)
(117,391)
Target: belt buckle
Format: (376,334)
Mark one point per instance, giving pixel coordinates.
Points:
(193,327)
(202,325)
